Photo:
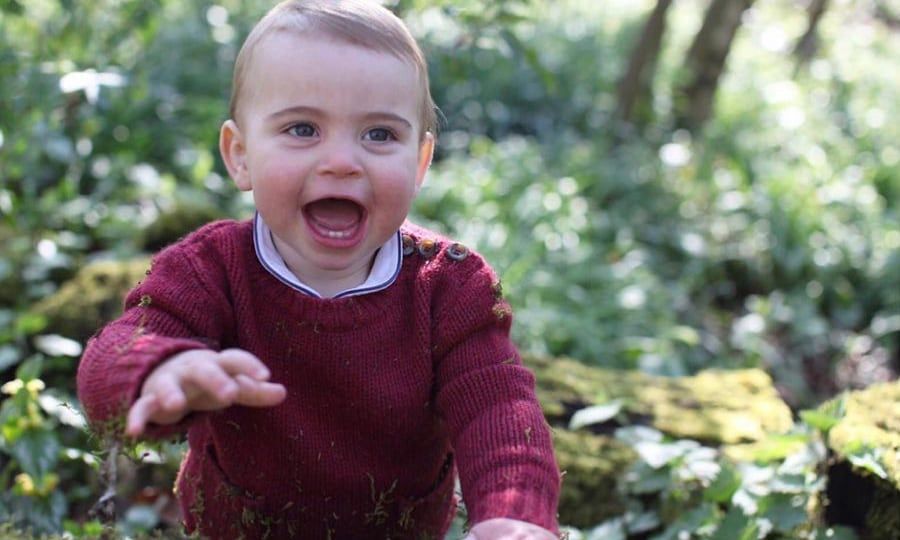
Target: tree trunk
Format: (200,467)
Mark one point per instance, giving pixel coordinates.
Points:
(705,62)
(808,44)
(635,89)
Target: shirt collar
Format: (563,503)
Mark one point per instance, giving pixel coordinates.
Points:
(385,268)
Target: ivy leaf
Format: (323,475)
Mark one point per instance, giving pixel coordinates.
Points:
(595,414)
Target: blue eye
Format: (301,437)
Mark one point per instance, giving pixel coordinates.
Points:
(302,130)
(379,135)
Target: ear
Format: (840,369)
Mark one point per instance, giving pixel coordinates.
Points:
(234,154)
(426,153)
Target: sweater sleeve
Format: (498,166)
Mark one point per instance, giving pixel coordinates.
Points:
(181,305)
(487,398)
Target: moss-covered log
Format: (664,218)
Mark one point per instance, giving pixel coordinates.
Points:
(867,441)
(715,407)
(92,298)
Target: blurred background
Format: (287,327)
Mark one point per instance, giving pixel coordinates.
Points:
(664,186)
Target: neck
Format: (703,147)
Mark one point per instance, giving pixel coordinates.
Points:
(326,282)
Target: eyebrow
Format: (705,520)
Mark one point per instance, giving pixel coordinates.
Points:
(385,116)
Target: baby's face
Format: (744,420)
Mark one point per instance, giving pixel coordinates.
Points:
(328,141)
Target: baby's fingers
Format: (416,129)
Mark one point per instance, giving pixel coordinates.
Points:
(257,393)
(239,361)
(140,414)
(211,386)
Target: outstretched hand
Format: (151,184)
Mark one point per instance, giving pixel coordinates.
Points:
(508,529)
(202,380)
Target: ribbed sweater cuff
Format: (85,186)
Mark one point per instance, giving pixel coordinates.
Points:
(111,390)
(534,507)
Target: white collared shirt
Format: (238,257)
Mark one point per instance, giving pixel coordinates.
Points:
(384,272)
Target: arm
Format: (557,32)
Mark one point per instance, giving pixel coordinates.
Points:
(182,305)
(502,442)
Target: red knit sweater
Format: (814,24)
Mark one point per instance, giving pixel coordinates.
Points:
(388,395)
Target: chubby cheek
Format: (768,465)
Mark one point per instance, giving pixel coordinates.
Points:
(276,196)
(397,193)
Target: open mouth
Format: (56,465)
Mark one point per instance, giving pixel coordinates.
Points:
(335,219)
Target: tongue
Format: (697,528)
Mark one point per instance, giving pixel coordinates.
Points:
(334,214)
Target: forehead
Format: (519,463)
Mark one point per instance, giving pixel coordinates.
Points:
(306,63)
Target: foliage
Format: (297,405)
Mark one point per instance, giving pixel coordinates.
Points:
(680,489)
(770,240)
(33,444)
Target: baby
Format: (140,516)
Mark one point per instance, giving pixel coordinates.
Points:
(334,366)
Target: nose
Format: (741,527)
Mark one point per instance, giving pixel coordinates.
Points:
(339,158)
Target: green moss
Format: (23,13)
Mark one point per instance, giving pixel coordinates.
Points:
(871,426)
(872,420)
(92,298)
(713,406)
(591,466)
(172,225)
(716,407)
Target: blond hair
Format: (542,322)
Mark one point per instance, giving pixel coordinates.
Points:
(357,22)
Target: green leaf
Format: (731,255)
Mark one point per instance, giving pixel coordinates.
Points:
(595,414)
(613,529)
(825,417)
(30,368)
(789,483)
(643,522)
(634,434)
(836,533)
(736,526)
(785,511)
(723,486)
(30,323)
(685,334)
(11,6)
(36,451)
(778,446)
(819,420)
(689,522)
(642,479)
(41,515)
(868,459)
(659,454)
